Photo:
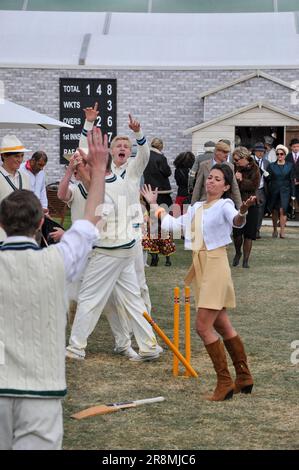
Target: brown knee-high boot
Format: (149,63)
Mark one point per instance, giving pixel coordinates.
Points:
(225,386)
(244,380)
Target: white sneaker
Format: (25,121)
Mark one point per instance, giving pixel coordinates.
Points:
(72,355)
(159,349)
(151,357)
(129,352)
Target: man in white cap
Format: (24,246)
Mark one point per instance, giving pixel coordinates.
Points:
(12,152)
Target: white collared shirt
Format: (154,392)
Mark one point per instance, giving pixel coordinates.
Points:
(260,164)
(15,179)
(37,184)
(295,156)
(74,246)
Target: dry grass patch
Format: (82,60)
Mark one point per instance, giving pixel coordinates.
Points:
(267,318)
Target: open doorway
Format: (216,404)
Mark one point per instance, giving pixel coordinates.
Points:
(251,135)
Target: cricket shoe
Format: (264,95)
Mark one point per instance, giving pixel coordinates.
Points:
(129,352)
(69,354)
(148,358)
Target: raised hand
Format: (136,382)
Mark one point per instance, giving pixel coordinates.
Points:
(74,161)
(91,113)
(149,194)
(246,204)
(98,151)
(134,124)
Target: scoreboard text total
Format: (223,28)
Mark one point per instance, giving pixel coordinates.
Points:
(77,94)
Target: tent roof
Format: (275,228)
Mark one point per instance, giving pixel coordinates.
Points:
(142,40)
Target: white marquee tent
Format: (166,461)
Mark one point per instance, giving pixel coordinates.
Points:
(157,40)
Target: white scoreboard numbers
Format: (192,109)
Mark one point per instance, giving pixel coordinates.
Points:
(77,94)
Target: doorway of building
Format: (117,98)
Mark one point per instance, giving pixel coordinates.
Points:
(291,133)
(251,135)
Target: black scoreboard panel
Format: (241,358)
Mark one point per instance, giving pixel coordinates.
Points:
(77,94)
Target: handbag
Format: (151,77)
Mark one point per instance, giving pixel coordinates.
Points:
(47,228)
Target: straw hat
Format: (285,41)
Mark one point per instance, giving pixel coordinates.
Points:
(11,144)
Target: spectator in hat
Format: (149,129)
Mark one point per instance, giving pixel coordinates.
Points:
(281,189)
(293,157)
(270,153)
(219,156)
(261,194)
(34,168)
(12,152)
(209,148)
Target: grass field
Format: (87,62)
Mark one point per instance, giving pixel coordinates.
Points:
(267,319)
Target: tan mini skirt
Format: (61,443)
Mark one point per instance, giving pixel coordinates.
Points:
(210,277)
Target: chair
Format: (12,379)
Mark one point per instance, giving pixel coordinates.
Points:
(57,208)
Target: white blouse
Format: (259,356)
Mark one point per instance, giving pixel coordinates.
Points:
(217,224)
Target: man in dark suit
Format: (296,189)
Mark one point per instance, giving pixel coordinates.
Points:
(260,159)
(220,156)
(293,157)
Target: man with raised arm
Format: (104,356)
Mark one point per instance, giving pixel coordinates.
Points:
(111,269)
(33,310)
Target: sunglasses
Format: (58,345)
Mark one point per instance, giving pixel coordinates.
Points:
(279,153)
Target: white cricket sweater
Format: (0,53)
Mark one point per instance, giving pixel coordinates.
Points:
(77,201)
(116,238)
(32,321)
(131,171)
(20,181)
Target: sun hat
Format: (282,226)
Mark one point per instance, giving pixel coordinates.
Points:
(11,144)
(283,148)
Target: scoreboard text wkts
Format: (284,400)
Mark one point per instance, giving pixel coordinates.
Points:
(77,94)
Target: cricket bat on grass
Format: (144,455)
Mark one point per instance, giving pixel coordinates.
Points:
(113,407)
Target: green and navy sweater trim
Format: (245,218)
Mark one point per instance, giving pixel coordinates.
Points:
(141,141)
(84,132)
(111,179)
(83,191)
(33,393)
(126,246)
(18,246)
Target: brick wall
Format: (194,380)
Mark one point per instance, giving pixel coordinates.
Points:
(165,101)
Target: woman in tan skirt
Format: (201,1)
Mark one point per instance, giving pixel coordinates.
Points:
(207,227)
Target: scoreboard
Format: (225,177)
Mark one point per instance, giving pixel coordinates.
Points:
(77,94)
